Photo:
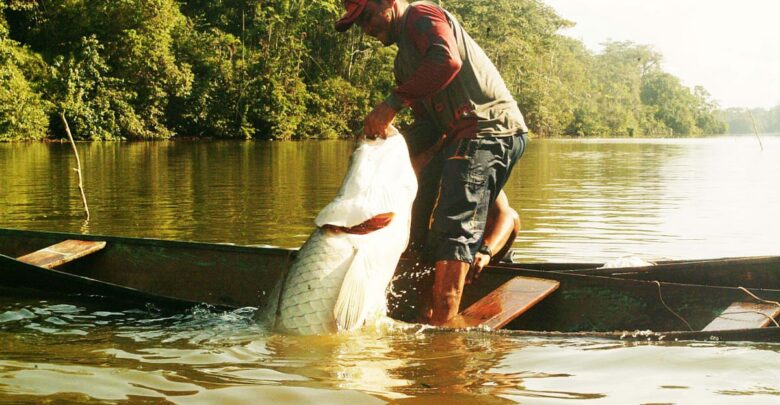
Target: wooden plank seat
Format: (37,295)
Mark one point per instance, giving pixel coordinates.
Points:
(744,315)
(505,303)
(61,253)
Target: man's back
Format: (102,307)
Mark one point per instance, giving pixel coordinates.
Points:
(476,101)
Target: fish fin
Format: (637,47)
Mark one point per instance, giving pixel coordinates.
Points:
(266,315)
(351,307)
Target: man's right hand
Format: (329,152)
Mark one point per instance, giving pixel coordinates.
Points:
(481,261)
(378,121)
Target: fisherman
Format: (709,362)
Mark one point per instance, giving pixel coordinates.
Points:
(467,135)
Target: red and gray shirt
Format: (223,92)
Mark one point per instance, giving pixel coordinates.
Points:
(446,78)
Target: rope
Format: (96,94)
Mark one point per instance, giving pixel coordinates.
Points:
(746,291)
(725,316)
(670,309)
(759,299)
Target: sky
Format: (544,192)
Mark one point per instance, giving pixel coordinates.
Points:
(731,48)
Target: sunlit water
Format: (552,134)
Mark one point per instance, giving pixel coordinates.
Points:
(590,201)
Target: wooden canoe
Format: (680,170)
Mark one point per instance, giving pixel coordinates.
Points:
(677,303)
(748,272)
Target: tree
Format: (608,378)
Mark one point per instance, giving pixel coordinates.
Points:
(142,55)
(773,124)
(98,106)
(23,112)
(520,38)
(276,69)
(705,112)
(672,103)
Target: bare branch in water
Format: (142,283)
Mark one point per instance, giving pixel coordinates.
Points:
(78,163)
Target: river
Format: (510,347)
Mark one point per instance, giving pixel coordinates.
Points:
(579,200)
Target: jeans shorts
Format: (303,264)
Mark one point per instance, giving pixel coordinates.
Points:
(455,191)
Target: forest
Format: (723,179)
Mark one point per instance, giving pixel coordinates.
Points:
(748,121)
(276,69)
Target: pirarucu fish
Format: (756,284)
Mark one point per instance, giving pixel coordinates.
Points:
(339,277)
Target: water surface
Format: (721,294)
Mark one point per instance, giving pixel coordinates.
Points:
(592,200)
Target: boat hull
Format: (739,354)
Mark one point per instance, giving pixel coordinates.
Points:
(586,302)
(597,302)
(162,271)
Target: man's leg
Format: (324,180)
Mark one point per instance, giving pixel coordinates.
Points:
(472,177)
(458,220)
(501,229)
(504,228)
(449,280)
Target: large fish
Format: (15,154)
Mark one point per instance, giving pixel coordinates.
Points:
(339,277)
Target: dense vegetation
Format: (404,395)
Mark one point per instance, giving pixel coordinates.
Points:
(741,121)
(145,69)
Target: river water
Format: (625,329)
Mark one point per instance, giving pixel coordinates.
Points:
(579,200)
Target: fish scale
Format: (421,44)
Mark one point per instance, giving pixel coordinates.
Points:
(310,295)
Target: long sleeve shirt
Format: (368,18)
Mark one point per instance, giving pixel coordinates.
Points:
(445,77)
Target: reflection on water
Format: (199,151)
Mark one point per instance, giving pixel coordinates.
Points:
(596,200)
(591,200)
(579,200)
(247,193)
(203,356)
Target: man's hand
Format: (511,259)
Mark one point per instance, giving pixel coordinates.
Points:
(378,121)
(480,261)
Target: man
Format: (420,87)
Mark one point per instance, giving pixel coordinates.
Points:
(464,112)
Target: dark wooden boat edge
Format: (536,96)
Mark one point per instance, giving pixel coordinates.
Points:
(224,246)
(752,335)
(748,272)
(74,284)
(87,286)
(71,284)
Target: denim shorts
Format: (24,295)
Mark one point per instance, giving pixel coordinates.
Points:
(455,191)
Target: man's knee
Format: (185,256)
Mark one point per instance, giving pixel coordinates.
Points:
(447,296)
(515,219)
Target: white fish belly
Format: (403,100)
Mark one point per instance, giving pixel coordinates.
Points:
(313,284)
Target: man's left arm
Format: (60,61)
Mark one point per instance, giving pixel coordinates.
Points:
(431,33)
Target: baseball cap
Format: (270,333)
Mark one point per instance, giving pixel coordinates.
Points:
(354,8)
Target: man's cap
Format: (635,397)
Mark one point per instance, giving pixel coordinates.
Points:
(354,8)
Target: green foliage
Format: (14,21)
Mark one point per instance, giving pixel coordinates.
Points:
(276,69)
(132,70)
(670,101)
(740,120)
(142,55)
(217,104)
(23,112)
(773,120)
(333,107)
(620,72)
(97,106)
(706,113)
